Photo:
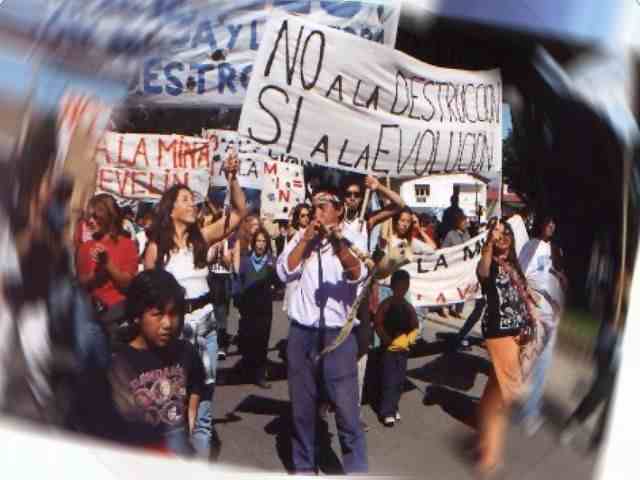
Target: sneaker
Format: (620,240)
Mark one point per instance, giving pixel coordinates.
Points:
(222,355)
(389,421)
(398,417)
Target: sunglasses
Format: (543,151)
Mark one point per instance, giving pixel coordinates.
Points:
(351,194)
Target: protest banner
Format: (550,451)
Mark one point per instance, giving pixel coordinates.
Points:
(109,36)
(142,166)
(254,155)
(447,275)
(209,61)
(349,104)
(283,188)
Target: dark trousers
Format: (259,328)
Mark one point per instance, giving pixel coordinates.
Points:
(253,341)
(394,373)
(334,377)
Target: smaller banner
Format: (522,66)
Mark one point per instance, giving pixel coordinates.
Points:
(142,166)
(447,275)
(282,189)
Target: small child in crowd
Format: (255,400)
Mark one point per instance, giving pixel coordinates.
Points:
(397,326)
(156,378)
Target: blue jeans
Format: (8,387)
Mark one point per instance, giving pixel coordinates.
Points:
(532,405)
(336,376)
(203,426)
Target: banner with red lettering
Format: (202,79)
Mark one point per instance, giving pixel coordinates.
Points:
(142,166)
(447,275)
(282,189)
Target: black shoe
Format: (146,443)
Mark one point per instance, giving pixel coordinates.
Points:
(222,354)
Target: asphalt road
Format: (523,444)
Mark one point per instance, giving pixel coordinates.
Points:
(431,441)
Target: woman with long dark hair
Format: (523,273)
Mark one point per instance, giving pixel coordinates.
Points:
(507,315)
(177,244)
(257,277)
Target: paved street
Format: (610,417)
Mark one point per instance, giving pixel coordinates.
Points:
(434,435)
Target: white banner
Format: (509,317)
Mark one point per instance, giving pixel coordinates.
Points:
(283,188)
(254,155)
(142,166)
(346,103)
(210,60)
(447,275)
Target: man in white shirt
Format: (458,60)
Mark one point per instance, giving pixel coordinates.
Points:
(328,274)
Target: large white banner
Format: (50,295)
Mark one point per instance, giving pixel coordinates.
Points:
(209,61)
(447,275)
(346,103)
(142,166)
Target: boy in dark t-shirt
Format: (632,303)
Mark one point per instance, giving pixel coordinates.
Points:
(156,378)
(397,325)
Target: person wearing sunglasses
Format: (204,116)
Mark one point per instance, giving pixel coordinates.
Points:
(328,275)
(107,263)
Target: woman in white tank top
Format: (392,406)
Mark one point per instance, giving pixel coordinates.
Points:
(178,245)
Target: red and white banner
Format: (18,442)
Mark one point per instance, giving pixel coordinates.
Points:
(142,166)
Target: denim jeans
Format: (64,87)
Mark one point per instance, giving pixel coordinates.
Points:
(203,427)
(531,406)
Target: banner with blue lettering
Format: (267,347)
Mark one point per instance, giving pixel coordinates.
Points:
(210,61)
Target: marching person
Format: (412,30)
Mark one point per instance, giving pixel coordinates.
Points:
(328,274)
(506,315)
(353,197)
(107,264)
(156,379)
(300,219)
(457,236)
(179,246)
(397,326)
(541,262)
(257,276)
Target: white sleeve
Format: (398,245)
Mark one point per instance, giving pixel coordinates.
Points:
(282,265)
(359,240)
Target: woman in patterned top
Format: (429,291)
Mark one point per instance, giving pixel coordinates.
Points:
(507,314)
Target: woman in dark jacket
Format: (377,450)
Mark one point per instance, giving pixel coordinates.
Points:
(257,277)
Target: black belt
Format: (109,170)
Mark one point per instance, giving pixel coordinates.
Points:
(193,304)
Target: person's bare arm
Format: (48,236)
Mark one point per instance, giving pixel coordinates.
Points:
(303,248)
(150,256)
(216,231)
(350,262)
(236,256)
(194,401)
(484,265)
(390,210)
(413,319)
(379,323)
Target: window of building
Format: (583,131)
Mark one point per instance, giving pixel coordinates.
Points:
(422,192)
